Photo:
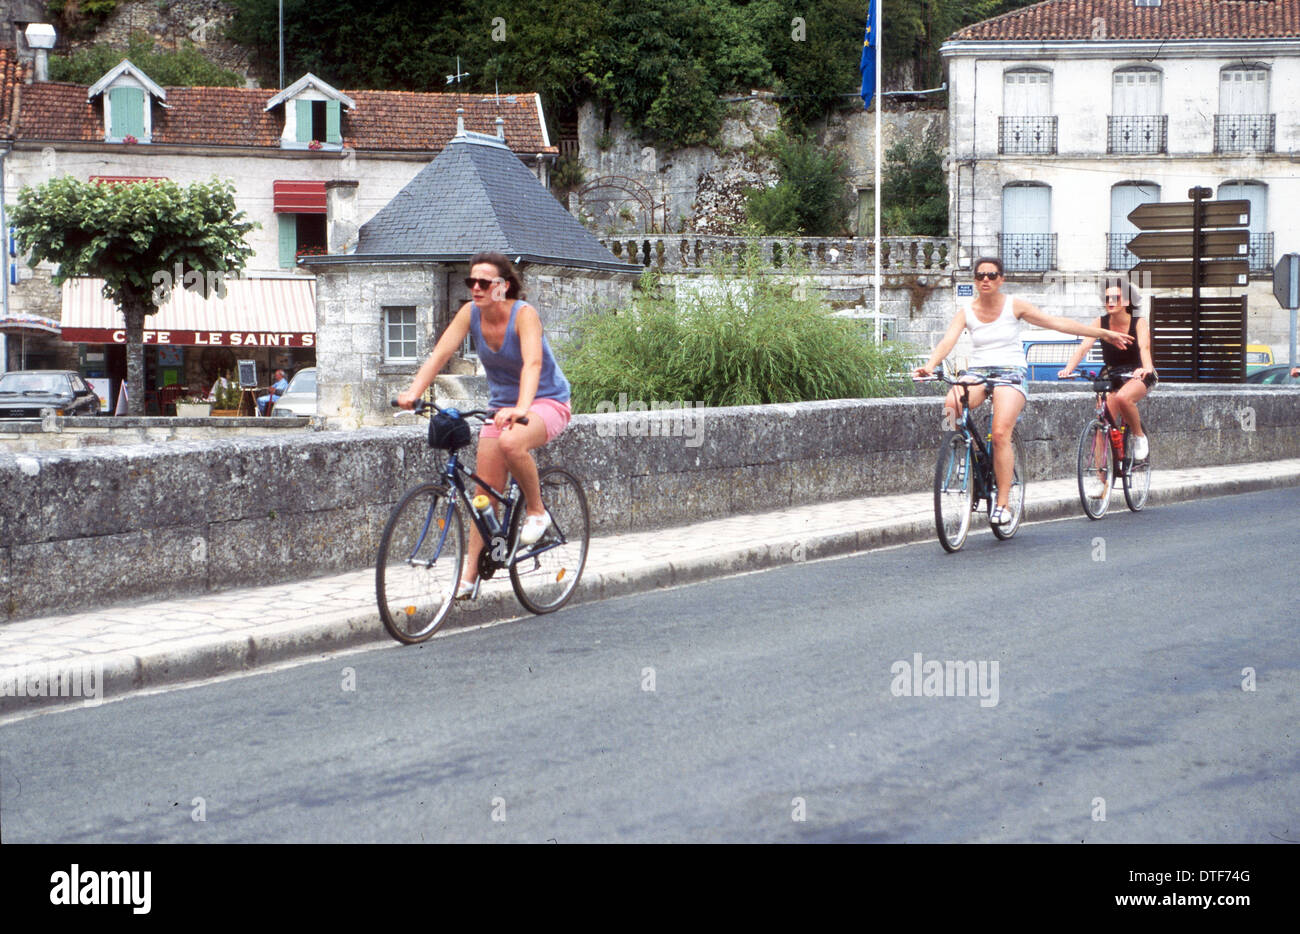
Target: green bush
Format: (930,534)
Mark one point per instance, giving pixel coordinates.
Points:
(749,337)
(812,199)
(914,199)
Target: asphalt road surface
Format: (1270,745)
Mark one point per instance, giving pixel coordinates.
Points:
(1140,669)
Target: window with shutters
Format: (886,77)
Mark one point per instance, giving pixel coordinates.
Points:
(1028,244)
(1243,123)
(313,114)
(1027,124)
(319,121)
(126,95)
(1136,124)
(300,235)
(1124,197)
(1261,240)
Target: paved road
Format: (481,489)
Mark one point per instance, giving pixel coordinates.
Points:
(1120,647)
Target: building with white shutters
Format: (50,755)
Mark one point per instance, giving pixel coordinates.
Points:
(1066,115)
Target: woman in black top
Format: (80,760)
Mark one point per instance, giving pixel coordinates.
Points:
(1131,369)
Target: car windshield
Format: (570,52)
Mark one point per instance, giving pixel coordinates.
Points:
(33,382)
(305,381)
(1256,357)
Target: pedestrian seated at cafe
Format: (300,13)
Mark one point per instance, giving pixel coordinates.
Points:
(278,388)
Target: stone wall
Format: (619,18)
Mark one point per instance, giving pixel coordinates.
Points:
(88,527)
(57,432)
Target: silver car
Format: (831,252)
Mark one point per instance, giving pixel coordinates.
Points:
(300,397)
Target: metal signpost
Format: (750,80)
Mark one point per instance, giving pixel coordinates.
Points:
(1194,244)
(1286,288)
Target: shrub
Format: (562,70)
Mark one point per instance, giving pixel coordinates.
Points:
(746,337)
(812,197)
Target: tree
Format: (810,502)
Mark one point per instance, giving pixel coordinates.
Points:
(142,238)
(812,197)
(185,67)
(915,193)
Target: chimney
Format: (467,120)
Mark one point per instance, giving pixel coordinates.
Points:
(40,36)
(341,227)
(501,128)
(460,121)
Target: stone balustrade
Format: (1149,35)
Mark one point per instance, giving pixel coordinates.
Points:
(929,256)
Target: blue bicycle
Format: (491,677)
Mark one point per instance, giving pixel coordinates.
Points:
(422,550)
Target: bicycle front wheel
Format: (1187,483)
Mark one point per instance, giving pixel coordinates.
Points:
(419,562)
(952,491)
(1096,470)
(1016,495)
(1137,478)
(546,573)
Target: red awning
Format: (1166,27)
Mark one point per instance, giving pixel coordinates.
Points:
(253,313)
(299,197)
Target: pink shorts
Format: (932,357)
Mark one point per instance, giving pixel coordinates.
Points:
(555,414)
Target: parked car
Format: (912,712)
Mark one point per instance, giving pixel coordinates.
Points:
(1274,376)
(1258,356)
(25,393)
(300,397)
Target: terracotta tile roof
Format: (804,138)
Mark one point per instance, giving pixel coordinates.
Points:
(11,75)
(393,121)
(1123,19)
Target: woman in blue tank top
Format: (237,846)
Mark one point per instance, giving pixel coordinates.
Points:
(523,379)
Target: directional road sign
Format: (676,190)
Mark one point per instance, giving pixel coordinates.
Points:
(1178,275)
(1177,244)
(1178,215)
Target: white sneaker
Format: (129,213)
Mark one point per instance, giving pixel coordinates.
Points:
(1094,487)
(1140,448)
(533,529)
(1001,515)
(466,590)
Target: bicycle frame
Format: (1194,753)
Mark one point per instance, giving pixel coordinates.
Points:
(974,432)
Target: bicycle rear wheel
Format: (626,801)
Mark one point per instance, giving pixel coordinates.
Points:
(419,561)
(545,574)
(1016,495)
(1096,464)
(1137,478)
(952,491)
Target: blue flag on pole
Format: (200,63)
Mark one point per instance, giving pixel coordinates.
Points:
(868,64)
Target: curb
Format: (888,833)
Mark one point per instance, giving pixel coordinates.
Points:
(206,657)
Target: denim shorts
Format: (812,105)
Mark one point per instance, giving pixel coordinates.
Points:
(1018,373)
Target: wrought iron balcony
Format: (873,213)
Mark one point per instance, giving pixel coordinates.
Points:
(1244,132)
(1261,253)
(1026,135)
(1028,252)
(1131,135)
(1117,254)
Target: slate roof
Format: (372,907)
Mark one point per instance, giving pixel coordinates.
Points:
(384,121)
(477,195)
(1123,19)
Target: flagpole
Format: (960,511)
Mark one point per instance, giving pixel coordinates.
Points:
(876,35)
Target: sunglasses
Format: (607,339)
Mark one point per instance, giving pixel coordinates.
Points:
(987,275)
(1114,299)
(484,284)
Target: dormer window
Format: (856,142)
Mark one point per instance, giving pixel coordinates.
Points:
(313,114)
(127,94)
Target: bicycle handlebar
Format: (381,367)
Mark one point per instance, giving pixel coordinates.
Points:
(975,380)
(420,406)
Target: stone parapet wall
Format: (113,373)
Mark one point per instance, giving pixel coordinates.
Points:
(67,432)
(94,526)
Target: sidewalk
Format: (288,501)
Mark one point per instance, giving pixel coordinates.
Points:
(146,645)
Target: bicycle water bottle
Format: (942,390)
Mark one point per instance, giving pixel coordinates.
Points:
(483,506)
(1117,440)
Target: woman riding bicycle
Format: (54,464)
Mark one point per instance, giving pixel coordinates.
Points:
(523,379)
(1131,371)
(993,320)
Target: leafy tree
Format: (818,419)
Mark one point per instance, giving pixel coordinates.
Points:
(142,239)
(186,67)
(812,197)
(914,196)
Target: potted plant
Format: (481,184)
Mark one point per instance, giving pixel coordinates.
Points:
(193,407)
(227,400)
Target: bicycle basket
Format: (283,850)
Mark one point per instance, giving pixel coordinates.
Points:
(448,433)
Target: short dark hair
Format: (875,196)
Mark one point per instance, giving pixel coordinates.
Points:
(988,259)
(505,269)
(1126,289)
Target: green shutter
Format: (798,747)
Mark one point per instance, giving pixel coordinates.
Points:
(333,117)
(288,240)
(303,109)
(126,109)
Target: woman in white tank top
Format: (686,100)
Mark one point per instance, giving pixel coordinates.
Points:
(993,320)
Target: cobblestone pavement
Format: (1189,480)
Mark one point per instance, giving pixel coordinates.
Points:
(145,645)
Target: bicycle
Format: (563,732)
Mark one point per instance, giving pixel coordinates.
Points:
(964,475)
(422,548)
(1105,452)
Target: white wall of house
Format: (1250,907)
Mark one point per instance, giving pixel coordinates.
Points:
(1081,173)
